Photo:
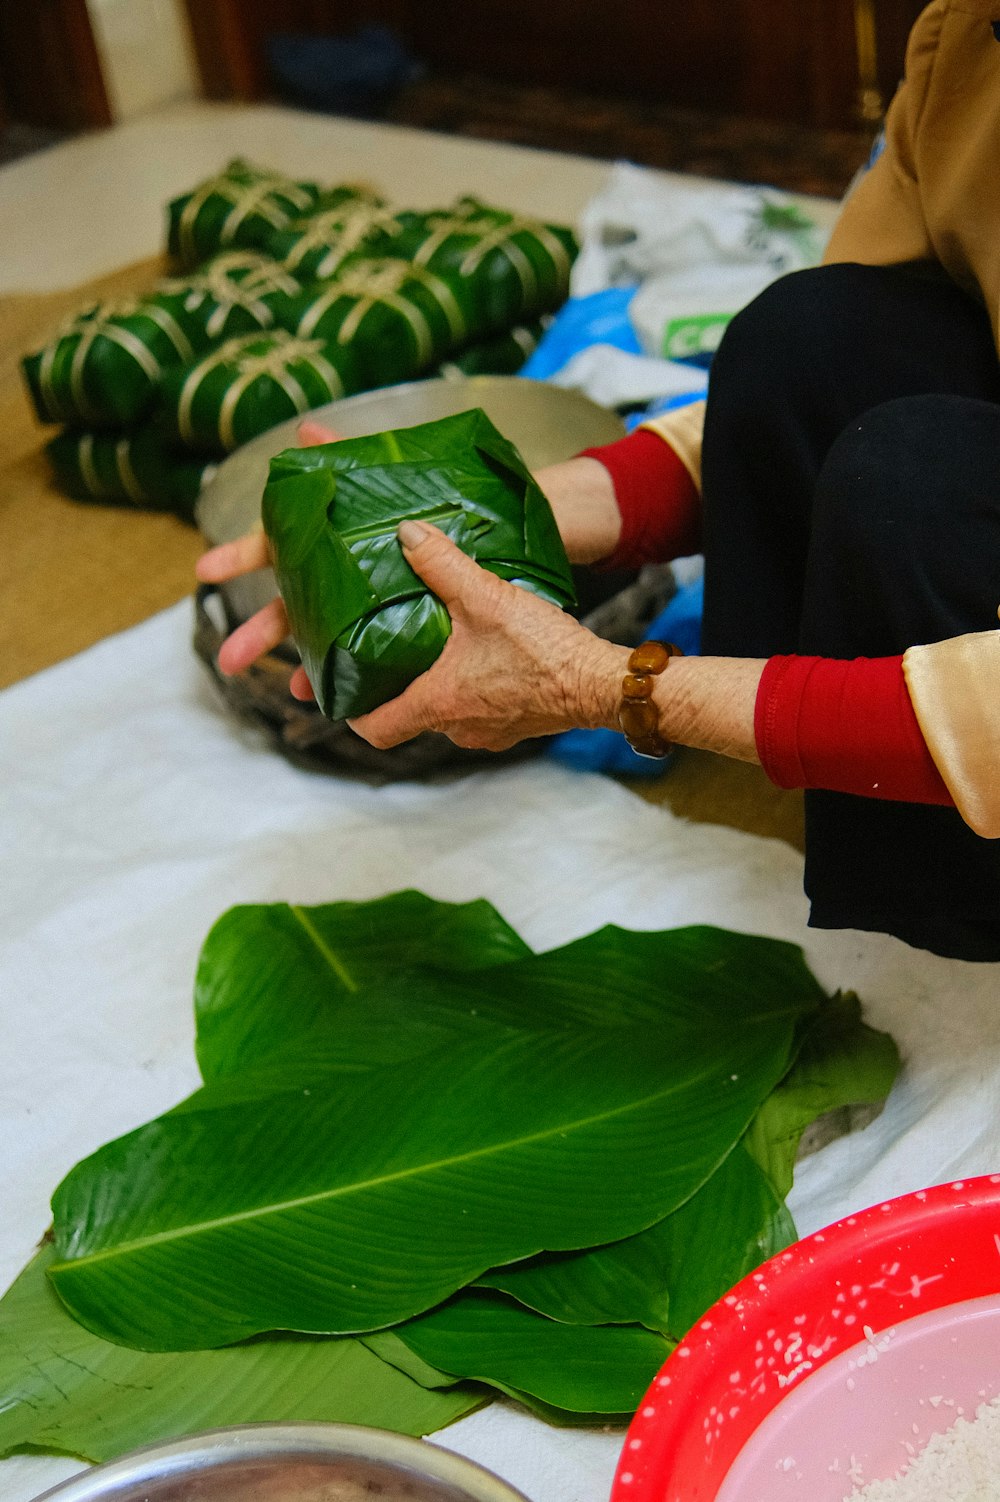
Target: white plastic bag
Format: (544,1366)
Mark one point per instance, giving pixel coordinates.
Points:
(699,250)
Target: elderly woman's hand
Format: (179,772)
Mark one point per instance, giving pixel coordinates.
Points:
(263,631)
(269,627)
(513,667)
(579,490)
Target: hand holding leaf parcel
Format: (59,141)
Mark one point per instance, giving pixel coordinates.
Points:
(365,625)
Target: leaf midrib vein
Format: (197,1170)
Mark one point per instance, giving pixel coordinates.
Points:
(258,1212)
(329,955)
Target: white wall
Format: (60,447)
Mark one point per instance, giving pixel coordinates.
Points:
(145,52)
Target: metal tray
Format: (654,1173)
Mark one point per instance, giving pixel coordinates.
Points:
(288,1463)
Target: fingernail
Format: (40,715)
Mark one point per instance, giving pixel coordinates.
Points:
(412,534)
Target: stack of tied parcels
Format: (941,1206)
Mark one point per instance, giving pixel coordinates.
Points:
(365,624)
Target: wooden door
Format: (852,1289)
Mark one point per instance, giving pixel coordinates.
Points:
(50,70)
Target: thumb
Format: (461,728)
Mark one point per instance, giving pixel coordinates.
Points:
(442,566)
(311,433)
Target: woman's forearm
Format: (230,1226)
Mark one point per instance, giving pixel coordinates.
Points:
(704,702)
(628,503)
(582,496)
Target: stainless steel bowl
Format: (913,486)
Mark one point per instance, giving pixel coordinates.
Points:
(544,422)
(288,1463)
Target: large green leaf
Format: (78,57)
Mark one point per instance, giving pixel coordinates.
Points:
(365,624)
(665,1277)
(63,1389)
(375,982)
(578,1368)
(276,979)
(842,1062)
(357,1205)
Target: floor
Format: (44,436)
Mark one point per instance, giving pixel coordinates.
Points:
(794,157)
(18,140)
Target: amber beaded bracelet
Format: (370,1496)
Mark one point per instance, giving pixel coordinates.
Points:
(637,714)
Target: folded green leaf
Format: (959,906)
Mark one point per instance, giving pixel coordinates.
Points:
(365,625)
(578,1368)
(63,1389)
(842,1063)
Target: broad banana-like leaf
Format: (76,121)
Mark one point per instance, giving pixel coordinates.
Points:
(666,1277)
(65,1390)
(354,1206)
(390,1348)
(363,983)
(278,980)
(365,624)
(595,1370)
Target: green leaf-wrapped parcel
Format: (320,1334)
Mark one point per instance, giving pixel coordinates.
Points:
(240,206)
(245,385)
(227,296)
(514,267)
(136,468)
(365,624)
(104,365)
(341,222)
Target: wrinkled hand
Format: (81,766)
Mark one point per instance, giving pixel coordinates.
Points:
(269,627)
(513,667)
(531,680)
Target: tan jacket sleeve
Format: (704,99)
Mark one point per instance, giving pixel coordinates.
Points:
(955,689)
(881,222)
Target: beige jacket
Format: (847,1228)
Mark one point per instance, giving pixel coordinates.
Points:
(933,194)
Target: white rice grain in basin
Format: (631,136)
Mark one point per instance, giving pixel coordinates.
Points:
(960,1465)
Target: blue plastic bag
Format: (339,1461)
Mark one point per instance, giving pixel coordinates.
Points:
(601,318)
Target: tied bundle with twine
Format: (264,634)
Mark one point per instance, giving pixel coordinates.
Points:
(398,319)
(225,297)
(252,383)
(105,364)
(241,205)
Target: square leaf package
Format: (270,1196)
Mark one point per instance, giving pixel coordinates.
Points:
(365,624)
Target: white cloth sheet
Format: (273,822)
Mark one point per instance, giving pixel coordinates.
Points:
(137,810)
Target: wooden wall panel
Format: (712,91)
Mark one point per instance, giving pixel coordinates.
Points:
(794,60)
(50,71)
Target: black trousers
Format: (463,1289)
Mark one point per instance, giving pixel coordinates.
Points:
(851,483)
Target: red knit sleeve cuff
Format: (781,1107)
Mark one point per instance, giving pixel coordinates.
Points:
(657,498)
(848,727)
